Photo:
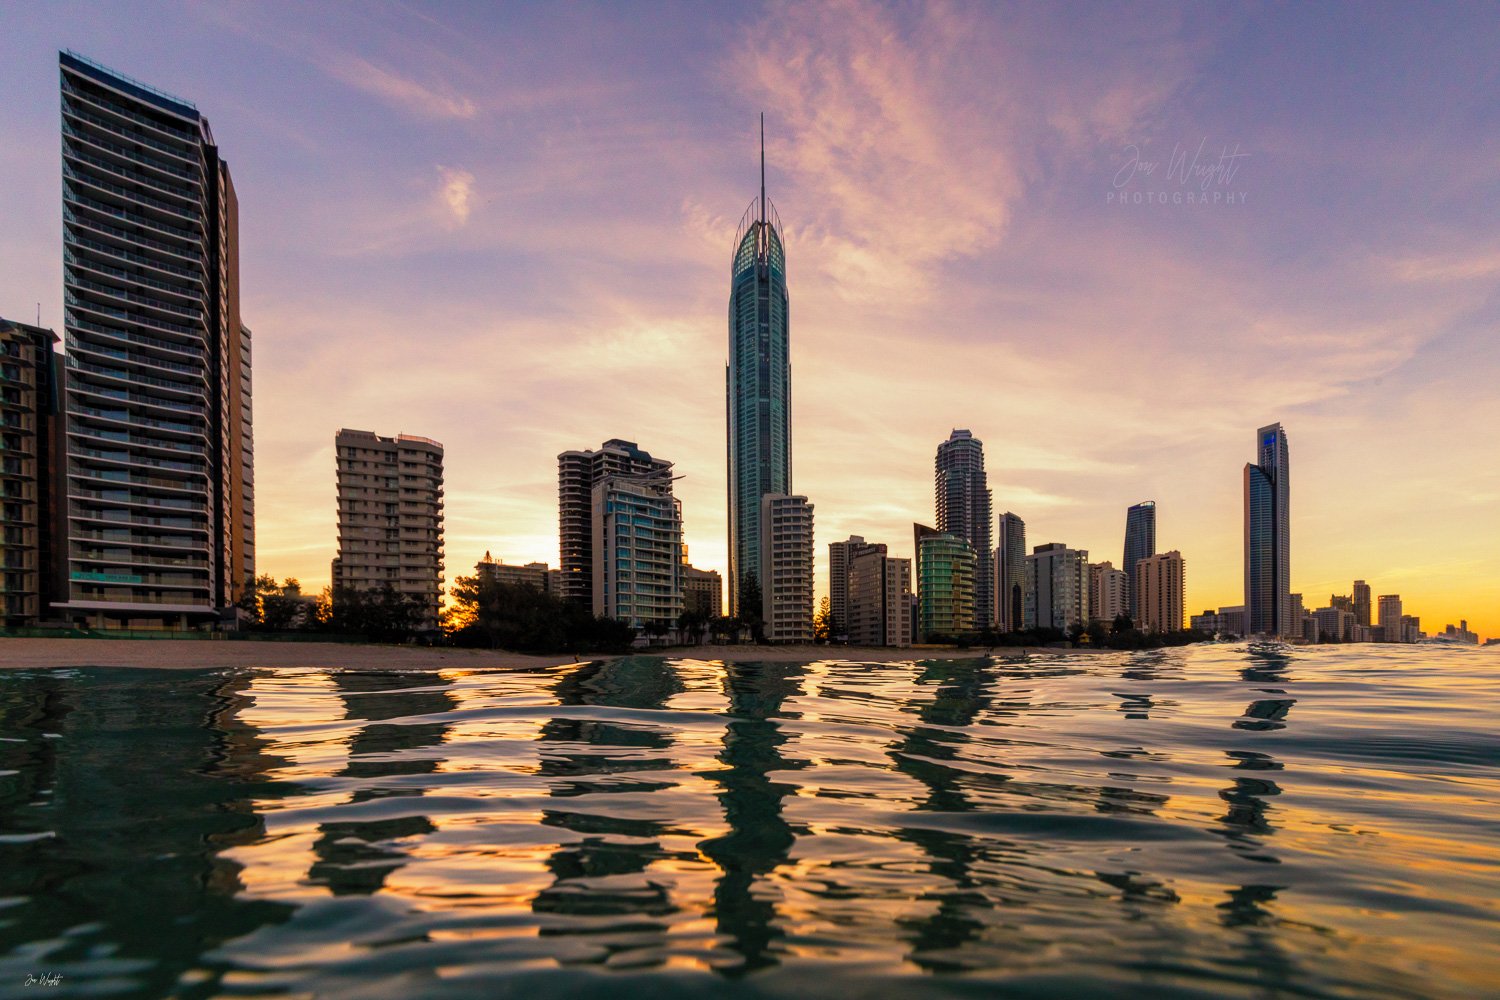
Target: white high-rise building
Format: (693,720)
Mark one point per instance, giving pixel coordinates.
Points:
(786,558)
(390,500)
(1109,592)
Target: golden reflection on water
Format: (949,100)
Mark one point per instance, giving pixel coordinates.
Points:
(740,818)
(1205,818)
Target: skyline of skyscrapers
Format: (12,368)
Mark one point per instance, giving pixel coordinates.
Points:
(1267,493)
(161,414)
(160,507)
(758,385)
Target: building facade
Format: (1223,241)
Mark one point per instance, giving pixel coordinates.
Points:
(703,592)
(945,584)
(879,605)
(390,517)
(1362,605)
(1140,542)
(786,559)
(158,480)
(965,507)
(1267,486)
(1057,587)
(578,472)
(1160,585)
(758,383)
(637,551)
(840,556)
(1109,592)
(1010,573)
(532,574)
(1334,624)
(30,442)
(1390,618)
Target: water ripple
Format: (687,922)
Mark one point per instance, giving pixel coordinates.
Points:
(1220,820)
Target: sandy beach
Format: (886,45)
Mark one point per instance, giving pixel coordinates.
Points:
(187,654)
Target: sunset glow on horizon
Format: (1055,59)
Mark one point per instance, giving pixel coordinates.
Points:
(1110,246)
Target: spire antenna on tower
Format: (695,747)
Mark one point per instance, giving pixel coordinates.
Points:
(762,167)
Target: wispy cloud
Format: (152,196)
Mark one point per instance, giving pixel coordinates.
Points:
(434,100)
(456,193)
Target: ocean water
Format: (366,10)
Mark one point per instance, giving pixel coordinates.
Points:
(1211,821)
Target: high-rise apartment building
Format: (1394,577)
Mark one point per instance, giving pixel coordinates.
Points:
(1109,592)
(758,383)
(964,508)
(1362,602)
(945,583)
(578,472)
(840,556)
(1057,587)
(786,560)
(390,507)
(1160,583)
(1140,542)
(30,442)
(879,604)
(1390,618)
(1268,578)
(1010,573)
(158,483)
(637,550)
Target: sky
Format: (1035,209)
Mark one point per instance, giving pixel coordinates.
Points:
(1110,242)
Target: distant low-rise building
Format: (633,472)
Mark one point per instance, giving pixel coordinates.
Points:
(1461,633)
(703,591)
(1225,621)
(533,574)
(1335,624)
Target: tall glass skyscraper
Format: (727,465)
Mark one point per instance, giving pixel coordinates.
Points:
(758,383)
(1140,542)
(964,506)
(159,497)
(1268,578)
(1010,573)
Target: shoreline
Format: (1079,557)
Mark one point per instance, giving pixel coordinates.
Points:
(20,653)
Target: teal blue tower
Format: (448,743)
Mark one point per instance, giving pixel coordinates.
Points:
(758,381)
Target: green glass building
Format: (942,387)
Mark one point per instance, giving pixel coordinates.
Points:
(945,583)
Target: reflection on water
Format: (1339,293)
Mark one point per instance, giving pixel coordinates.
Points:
(1210,821)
